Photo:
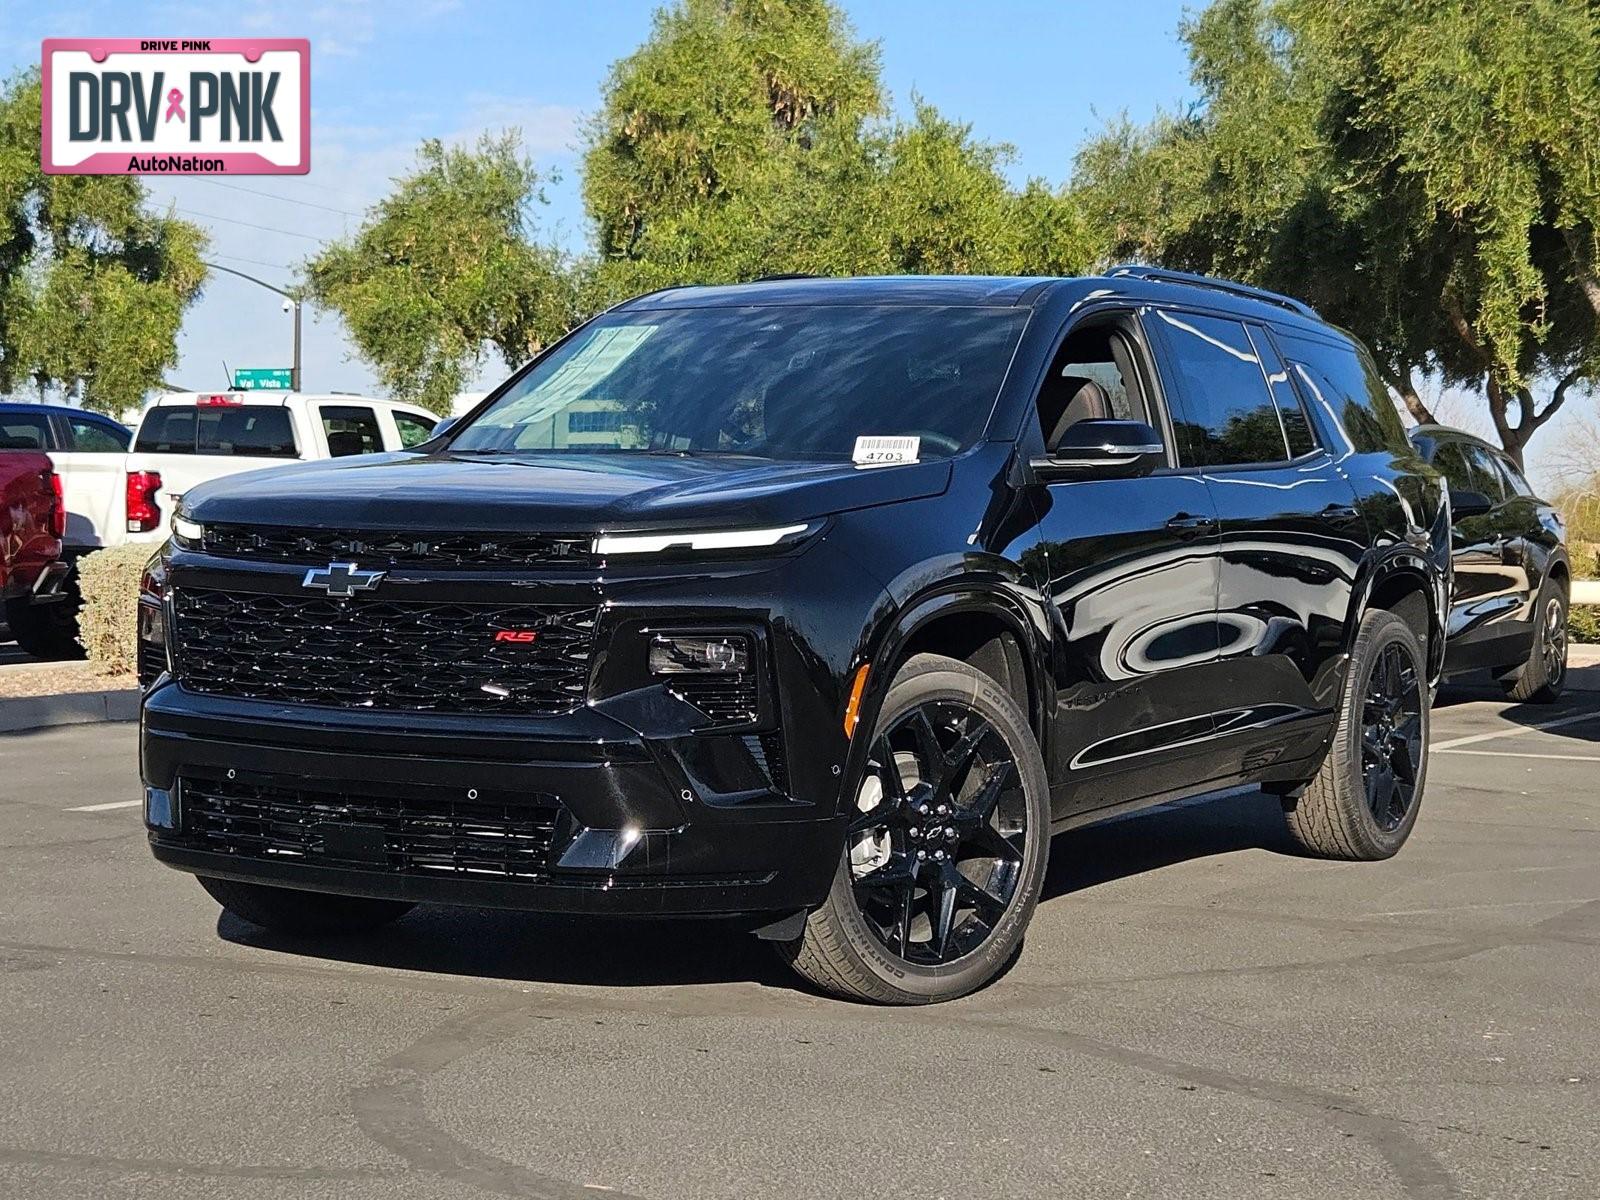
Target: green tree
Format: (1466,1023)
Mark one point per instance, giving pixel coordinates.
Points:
(444,269)
(743,138)
(93,286)
(1427,174)
(750,137)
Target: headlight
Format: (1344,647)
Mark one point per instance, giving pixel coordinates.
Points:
(675,654)
(712,539)
(187,533)
(152,648)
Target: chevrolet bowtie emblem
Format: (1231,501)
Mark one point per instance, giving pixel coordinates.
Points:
(342,580)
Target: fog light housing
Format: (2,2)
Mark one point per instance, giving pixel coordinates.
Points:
(678,654)
(160,808)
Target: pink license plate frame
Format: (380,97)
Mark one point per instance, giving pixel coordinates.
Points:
(115,162)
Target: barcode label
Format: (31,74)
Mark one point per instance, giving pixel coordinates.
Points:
(885,451)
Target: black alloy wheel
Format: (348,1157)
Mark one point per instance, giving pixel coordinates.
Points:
(1391,736)
(947,840)
(937,855)
(1553,642)
(1362,803)
(1540,679)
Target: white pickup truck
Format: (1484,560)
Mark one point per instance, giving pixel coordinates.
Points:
(187,438)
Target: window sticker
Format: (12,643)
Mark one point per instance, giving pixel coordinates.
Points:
(885,451)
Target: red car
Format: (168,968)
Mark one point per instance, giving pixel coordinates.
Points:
(32,573)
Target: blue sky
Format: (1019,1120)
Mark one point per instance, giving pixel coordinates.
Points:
(1041,76)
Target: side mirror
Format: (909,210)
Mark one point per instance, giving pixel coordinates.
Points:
(1468,504)
(443,427)
(1106,448)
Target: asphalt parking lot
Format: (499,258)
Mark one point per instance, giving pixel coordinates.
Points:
(1197,1013)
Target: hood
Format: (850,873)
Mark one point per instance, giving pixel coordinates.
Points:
(554,493)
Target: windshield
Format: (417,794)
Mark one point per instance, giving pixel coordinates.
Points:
(776,382)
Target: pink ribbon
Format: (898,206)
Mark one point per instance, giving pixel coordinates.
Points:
(175,106)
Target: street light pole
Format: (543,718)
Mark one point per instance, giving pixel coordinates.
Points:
(294,369)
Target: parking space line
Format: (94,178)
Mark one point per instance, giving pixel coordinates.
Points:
(1471,739)
(1526,754)
(107,807)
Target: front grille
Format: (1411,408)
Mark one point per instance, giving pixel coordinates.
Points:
(726,699)
(438,833)
(441,551)
(381,654)
(150,663)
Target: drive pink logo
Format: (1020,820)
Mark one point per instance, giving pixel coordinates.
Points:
(212,106)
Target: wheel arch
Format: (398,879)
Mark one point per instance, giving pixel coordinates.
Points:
(1410,586)
(978,623)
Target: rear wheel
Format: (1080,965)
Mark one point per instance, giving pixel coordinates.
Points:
(947,848)
(287,911)
(1363,802)
(48,630)
(1541,679)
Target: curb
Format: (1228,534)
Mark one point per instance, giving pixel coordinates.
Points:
(70,708)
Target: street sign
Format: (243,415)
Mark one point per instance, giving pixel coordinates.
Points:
(263,379)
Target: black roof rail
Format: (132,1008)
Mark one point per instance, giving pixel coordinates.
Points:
(786,275)
(1232,287)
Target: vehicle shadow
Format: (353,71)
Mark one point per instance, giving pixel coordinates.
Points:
(1164,837)
(615,952)
(540,948)
(1582,697)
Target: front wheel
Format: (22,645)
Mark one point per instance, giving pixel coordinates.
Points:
(945,854)
(285,910)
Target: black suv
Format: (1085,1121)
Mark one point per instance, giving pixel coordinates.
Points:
(1512,580)
(819,604)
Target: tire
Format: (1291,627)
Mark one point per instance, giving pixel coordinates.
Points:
(1345,811)
(284,910)
(1543,677)
(990,772)
(48,631)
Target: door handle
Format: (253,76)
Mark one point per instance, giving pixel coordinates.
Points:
(1189,525)
(1341,512)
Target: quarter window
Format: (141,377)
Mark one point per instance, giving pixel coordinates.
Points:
(1225,414)
(1346,381)
(1468,468)
(1518,481)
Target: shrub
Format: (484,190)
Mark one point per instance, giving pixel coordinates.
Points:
(1583,624)
(1585,557)
(109,621)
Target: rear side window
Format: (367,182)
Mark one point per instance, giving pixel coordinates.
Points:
(20,431)
(93,437)
(1226,414)
(1346,382)
(351,429)
(245,431)
(414,430)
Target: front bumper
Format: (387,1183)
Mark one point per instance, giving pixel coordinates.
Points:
(637,826)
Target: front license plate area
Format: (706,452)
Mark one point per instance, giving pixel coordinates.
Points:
(353,843)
